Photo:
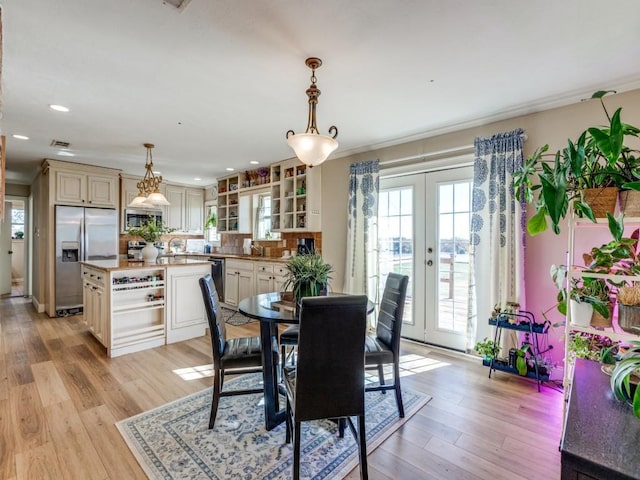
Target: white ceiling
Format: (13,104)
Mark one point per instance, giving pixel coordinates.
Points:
(218,83)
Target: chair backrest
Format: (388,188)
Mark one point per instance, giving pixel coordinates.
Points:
(391,311)
(216,322)
(330,365)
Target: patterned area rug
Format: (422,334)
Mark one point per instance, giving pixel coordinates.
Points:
(233,317)
(173,441)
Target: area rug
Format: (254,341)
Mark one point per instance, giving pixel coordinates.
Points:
(233,317)
(173,441)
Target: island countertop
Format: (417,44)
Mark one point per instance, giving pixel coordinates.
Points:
(109,265)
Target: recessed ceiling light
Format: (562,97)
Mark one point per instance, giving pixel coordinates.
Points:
(254,162)
(197,179)
(64,153)
(156,172)
(59,108)
(20,137)
(229,169)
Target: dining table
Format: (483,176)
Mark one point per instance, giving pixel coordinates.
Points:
(273,309)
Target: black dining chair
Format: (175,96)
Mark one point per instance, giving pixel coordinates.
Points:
(233,355)
(328,379)
(383,348)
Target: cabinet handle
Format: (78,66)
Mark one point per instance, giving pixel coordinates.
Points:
(99,278)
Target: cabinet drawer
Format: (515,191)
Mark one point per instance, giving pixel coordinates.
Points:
(95,276)
(280,270)
(264,267)
(244,265)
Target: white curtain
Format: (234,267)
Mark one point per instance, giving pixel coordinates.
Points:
(361,272)
(497,230)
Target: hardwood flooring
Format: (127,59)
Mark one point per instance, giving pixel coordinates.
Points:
(60,397)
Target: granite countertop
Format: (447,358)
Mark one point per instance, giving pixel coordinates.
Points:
(255,258)
(109,265)
(601,432)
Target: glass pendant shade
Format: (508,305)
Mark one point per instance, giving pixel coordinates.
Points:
(138,201)
(156,198)
(312,148)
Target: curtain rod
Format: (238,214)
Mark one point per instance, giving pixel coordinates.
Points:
(462,149)
(430,154)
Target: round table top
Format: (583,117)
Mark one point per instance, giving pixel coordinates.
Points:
(276,307)
(273,307)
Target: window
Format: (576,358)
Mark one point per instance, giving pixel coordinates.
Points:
(17,220)
(211,234)
(262,217)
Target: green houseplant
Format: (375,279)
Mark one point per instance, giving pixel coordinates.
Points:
(307,275)
(150,232)
(625,377)
(487,348)
(212,221)
(597,159)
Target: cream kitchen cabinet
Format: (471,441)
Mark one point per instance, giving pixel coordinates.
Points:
(72,188)
(269,277)
(239,281)
(186,316)
(96,303)
(186,210)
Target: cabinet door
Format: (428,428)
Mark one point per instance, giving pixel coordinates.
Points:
(87,302)
(186,315)
(70,187)
(175,211)
(100,314)
(245,284)
(231,288)
(264,283)
(279,272)
(102,191)
(194,210)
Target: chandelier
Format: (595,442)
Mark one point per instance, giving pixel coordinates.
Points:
(149,187)
(311,147)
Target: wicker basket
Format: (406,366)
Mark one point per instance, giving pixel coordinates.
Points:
(601,200)
(630,202)
(598,320)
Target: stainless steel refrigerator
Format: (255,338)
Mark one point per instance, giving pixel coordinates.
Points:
(82,233)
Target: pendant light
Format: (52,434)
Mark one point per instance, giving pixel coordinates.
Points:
(149,187)
(311,147)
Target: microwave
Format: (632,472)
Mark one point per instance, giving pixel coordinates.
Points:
(136,217)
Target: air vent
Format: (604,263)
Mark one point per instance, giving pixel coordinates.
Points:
(59,144)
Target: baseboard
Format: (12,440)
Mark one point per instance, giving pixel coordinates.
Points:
(40,307)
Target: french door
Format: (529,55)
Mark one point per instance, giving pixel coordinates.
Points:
(423,225)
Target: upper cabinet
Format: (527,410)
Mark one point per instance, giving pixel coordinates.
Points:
(82,189)
(295,198)
(186,210)
(76,184)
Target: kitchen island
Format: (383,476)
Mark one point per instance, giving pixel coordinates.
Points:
(132,305)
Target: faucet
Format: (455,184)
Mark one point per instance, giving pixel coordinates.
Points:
(258,249)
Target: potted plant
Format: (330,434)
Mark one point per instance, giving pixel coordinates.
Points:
(586,296)
(625,377)
(307,276)
(589,346)
(598,159)
(150,231)
(629,308)
(488,349)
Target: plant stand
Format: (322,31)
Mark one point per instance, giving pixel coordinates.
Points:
(522,322)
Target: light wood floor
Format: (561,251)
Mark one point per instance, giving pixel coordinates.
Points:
(60,397)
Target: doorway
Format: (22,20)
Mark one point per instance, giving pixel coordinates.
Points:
(13,254)
(423,225)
